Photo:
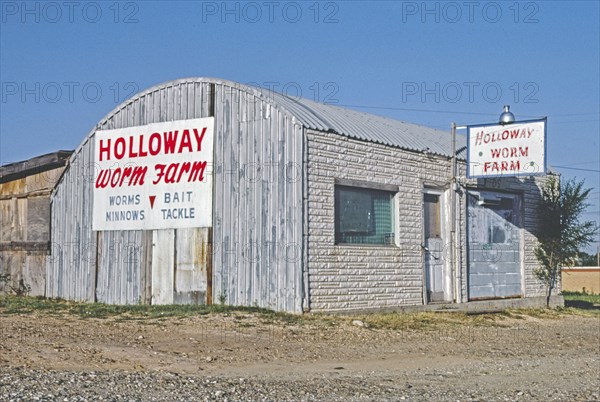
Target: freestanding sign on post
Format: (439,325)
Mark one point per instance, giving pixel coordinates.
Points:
(516,149)
(155,176)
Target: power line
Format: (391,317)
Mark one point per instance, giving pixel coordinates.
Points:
(574,121)
(581,163)
(418,110)
(576,114)
(470,113)
(580,169)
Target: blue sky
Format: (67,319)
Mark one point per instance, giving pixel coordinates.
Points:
(63,66)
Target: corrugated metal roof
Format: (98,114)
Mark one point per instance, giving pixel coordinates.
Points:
(369,127)
(347,122)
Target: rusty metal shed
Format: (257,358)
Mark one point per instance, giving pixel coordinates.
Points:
(25,189)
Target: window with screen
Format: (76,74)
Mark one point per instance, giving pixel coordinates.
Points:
(363,216)
(433,227)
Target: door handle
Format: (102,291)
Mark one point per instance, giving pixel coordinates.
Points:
(429,252)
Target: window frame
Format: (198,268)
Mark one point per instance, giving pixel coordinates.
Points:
(367,188)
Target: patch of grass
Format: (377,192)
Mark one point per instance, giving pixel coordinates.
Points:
(541,313)
(28,305)
(434,320)
(552,313)
(591,298)
(18,305)
(426,320)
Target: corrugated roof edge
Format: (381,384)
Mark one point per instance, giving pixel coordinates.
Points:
(319,116)
(370,127)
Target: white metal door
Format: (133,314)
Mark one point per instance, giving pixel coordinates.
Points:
(433,247)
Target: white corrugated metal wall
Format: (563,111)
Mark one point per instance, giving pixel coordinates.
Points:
(257,221)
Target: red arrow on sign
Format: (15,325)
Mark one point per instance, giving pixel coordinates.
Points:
(152,198)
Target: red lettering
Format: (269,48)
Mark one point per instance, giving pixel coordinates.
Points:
(171,172)
(185,141)
(197,171)
(201,137)
(120,142)
(478,137)
(104,149)
(185,167)
(155,144)
(509,152)
(170,141)
(131,153)
(126,173)
(160,172)
(141,147)
(138,175)
(116,175)
(103,178)
(175,171)
(503,166)
(167,142)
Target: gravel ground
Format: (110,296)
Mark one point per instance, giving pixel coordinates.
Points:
(240,357)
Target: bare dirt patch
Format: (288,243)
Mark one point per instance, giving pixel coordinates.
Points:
(250,356)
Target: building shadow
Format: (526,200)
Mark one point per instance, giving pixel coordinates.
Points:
(581,304)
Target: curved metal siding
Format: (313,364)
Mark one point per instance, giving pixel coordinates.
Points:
(71,266)
(120,253)
(258,210)
(250,132)
(351,123)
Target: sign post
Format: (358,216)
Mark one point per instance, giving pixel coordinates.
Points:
(503,149)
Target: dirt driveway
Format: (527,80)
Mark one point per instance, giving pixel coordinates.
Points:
(242,356)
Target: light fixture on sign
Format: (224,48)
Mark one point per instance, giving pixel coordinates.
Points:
(507,117)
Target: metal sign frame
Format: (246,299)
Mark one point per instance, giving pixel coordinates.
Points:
(540,172)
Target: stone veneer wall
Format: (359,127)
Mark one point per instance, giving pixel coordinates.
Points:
(355,277)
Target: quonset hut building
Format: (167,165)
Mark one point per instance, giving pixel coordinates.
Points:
(293,205)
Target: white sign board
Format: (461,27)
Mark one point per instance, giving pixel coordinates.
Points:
(155,176)
(517,149)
